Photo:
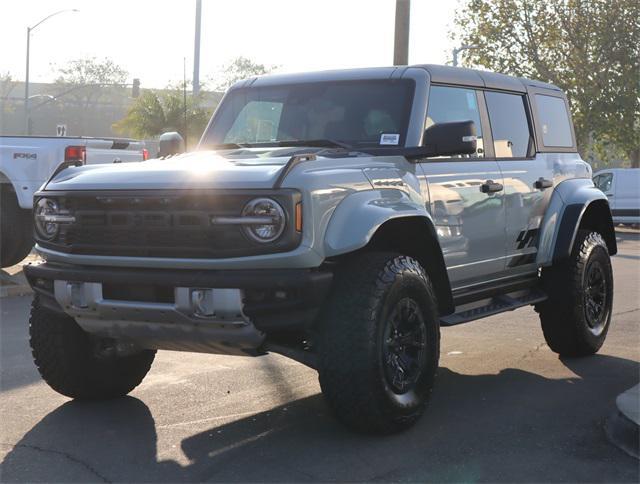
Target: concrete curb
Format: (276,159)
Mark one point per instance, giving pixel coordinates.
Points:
(623,427)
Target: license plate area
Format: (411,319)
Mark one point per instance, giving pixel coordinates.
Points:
(139,292)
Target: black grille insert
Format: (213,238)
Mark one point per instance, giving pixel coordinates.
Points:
(173,225)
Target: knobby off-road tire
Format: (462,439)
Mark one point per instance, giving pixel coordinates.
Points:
(576,317)
(379,343)
(79,365)
(16,232)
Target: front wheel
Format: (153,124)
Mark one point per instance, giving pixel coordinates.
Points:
(80,365)
(576,317)
(16,238)
(379,343)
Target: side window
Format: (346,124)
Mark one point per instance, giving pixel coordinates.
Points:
(604,181)
(554,121)
(509,125)
(450,104)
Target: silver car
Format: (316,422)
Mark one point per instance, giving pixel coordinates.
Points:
(338,218)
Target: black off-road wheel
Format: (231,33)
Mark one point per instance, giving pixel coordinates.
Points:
(16,232)
(576,317)
(79,365)
(379,343)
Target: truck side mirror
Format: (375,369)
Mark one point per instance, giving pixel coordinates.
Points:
(171,143)
(448,139)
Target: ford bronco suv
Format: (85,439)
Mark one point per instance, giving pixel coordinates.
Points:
(337,218)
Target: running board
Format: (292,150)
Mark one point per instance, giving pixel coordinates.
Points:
(495,305)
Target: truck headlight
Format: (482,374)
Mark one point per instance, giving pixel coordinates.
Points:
(263,219)
(46,227)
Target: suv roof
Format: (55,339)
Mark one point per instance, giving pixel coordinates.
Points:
(439,74)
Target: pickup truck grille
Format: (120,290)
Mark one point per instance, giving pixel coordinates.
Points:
(176,225)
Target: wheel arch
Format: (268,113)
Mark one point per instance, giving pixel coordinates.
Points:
(415,236)
(576,205)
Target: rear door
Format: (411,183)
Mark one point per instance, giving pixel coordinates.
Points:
(469,222)
(528,179)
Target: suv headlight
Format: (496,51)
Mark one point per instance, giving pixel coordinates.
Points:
(45,226)
(263,219)
(48,217)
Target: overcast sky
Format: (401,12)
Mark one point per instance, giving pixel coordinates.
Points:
(151,38)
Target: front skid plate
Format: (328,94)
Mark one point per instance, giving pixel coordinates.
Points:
(162,325)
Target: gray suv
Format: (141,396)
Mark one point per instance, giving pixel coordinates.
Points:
(337,218)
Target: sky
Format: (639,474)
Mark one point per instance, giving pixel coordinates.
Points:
(150,38)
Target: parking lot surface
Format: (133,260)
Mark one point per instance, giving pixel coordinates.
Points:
(505,408)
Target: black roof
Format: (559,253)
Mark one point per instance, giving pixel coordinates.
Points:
(477,78)
(439,74)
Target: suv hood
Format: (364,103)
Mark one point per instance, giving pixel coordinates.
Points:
(246,168)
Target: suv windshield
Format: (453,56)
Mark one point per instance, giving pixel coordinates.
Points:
(354,113)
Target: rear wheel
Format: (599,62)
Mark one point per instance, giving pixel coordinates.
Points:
(576,317)
(16,237)
(80,365)
(379,343)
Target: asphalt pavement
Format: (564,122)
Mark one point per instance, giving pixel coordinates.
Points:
(505,409)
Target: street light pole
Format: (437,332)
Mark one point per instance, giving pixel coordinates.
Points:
(27,121)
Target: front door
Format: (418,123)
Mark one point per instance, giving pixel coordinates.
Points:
(466,195)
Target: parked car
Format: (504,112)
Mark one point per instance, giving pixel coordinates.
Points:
(622,188)
(26,162)
(338,218)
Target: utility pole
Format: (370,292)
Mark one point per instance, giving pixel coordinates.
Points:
(401,37)
(196,49)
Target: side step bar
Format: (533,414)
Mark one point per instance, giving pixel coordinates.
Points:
(494,305)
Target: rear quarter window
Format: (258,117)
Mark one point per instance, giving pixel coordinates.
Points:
(509,125)
(554,121)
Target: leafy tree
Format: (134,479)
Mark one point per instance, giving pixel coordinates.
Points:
(6,86)
(238,69)
(156,112)
(589,48)
(86,80)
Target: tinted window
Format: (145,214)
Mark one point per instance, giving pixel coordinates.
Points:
(358,113)
(509,125)
(603,182)
(554,121)
(450,104)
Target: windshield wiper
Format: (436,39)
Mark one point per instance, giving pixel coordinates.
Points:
(319,143)
(228,146)
(322,143)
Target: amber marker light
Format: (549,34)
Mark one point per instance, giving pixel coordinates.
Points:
(298,217)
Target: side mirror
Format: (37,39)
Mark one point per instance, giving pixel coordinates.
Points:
(448,139)
(170,144)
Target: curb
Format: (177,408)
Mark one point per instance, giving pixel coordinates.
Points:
(623,427)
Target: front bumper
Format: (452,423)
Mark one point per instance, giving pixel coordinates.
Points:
(157,308)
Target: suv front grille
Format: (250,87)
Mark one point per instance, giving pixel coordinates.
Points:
(165,224)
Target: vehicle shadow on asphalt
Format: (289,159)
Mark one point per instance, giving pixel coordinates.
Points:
(511,426)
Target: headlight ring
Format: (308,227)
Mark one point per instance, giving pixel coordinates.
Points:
(44,210)
(265,220)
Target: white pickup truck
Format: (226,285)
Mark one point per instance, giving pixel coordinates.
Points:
(26,162)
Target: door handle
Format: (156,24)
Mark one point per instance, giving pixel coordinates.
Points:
(542,183)
(491,187)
